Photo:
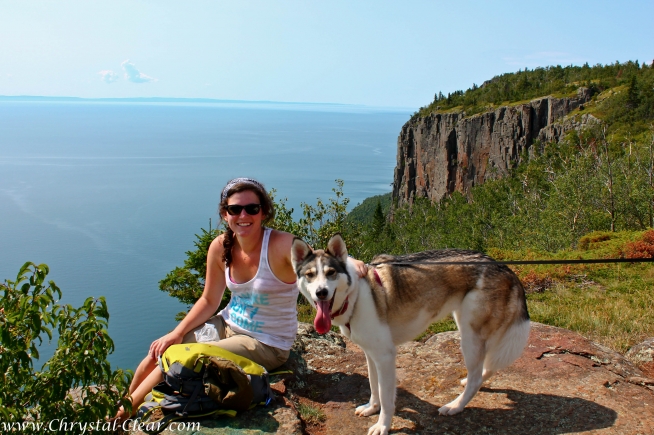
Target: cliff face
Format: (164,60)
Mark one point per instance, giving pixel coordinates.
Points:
(443,153)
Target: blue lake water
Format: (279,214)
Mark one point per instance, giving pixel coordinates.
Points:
(110,195)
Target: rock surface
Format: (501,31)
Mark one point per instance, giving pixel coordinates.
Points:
(446,152)
(642,355)
(563,383)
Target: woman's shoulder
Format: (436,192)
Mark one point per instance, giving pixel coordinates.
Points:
(219,239)
(281,242)
(281,237)
(279,258)
(216,246)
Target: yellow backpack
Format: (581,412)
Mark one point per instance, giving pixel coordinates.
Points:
(201,380)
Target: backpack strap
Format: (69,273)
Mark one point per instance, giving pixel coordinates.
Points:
(281,372)
(191,400)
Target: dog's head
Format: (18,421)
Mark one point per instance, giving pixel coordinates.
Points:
(323,278)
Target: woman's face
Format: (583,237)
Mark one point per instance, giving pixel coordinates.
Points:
(244,224)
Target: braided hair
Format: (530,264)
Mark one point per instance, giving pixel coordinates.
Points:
(267,209)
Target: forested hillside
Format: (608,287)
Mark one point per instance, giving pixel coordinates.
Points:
(598,179)
(370,209)
(630,86)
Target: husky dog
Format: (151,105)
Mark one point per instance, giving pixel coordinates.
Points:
(400,297)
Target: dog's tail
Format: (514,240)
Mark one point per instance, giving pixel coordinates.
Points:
(503,349)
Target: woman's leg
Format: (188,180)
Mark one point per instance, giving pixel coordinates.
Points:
(243,345)
(142,372)
(251,348)
(138,395)
(146,376)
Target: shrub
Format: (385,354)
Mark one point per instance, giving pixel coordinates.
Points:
(535,282)
(586,242)
(77,383)
(187,283)
(643,248)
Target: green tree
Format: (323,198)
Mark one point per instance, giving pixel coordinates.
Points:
(320,222)
(378,220)
(77,383)
(284,217)
(186,283)
(632,93)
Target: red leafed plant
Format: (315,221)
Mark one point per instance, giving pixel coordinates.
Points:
(643,248)
(535,282)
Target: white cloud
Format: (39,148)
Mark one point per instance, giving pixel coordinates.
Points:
(134,75)
(108,76)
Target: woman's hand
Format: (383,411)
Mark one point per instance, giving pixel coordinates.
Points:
(158,347)
(361,267)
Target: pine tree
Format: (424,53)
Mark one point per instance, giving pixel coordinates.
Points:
(632,93)
(378,220)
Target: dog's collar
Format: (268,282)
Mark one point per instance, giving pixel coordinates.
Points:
(342,310)
(377,278)
(345,304)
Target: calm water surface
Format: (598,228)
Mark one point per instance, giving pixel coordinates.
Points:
(110,195)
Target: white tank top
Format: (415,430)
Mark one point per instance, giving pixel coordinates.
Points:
(264,307)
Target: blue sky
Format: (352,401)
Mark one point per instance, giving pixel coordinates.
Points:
(379,53)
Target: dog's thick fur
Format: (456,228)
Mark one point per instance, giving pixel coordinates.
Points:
(400,297)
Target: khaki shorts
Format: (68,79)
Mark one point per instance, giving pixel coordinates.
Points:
(241,344)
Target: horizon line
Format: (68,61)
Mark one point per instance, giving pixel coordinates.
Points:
(179,100)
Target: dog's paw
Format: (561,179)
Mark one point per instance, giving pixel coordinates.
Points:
(367,410)
(378,429)
(450,409)
(464,381)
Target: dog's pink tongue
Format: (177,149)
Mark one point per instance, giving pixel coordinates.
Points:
(323,320)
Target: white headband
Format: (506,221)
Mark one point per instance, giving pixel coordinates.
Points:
(236,181)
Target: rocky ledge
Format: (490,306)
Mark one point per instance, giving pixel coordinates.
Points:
(446,152)
(563,383)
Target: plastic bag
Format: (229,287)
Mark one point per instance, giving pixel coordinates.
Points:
(207,333)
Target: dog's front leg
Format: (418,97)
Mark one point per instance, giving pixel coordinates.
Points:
(384,361)
(372,407)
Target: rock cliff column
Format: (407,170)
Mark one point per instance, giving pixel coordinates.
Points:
(446,152)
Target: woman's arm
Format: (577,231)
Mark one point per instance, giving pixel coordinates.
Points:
(205,307)
(362,268)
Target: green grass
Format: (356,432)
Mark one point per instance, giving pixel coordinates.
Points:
(611,304)
(311,414)
(444,325)
(614,306)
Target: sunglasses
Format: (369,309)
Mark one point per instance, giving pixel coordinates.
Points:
(251,209)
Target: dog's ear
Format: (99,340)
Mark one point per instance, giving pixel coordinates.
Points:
(300,250)
(336,247)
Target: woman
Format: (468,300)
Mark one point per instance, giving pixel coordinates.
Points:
(260,321)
